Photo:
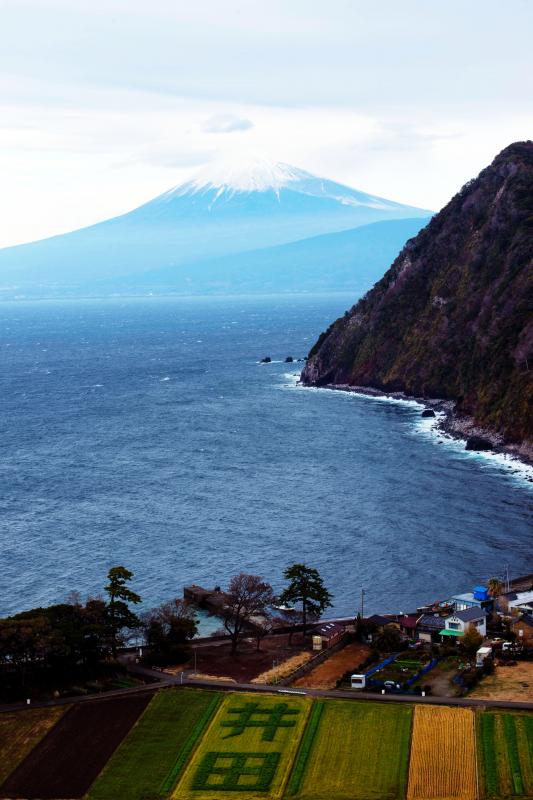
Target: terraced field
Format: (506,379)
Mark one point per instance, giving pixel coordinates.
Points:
(192,744)
(443,762)
(150,759)
(248,749)
(505,747)
(356,750)
(21,731)
(68,759)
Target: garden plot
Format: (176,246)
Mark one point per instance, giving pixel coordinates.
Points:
(248,749)
(353,750)
(403,669)
(505,745)
(150,759)
(443,754)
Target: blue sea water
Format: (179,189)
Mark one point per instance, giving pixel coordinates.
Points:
(144,432)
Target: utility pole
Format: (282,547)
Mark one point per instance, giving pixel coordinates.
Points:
(362,603)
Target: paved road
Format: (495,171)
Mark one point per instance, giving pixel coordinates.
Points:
(162,681)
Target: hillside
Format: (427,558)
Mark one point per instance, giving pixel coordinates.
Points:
(221,212)
(452,318)
(349,260)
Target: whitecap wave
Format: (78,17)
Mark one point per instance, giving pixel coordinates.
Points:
(506,462)
(428,428)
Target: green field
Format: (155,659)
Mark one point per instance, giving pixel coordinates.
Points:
(20,732)
(505,748)
(147,764)
(248,749)
(358,750)
(195,744)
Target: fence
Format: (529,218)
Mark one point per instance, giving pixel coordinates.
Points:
(314,661)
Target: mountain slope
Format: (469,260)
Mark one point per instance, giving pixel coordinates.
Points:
(452,317)
(346,261)
(216,214)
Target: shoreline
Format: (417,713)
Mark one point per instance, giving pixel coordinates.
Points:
(456,427)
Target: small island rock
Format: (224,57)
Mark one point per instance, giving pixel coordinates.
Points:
(428,412)
(266,360)
(289,360)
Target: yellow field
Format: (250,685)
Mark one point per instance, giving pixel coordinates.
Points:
(443,755)
(248,749)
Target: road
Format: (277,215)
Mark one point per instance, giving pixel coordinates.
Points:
(163,681)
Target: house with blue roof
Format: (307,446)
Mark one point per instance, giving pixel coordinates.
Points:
(479,597)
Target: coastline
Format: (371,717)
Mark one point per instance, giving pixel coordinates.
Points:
(456,426)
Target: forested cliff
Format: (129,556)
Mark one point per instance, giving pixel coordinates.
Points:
(453,316)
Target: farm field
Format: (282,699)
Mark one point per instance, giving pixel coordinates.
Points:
(505,747)
(326,675)
(148,761)
(507,683)
(20,732)
(357,750)
(247,750)
(195,744)
(71,755)
(443,754)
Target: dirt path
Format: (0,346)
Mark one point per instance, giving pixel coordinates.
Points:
(326,675)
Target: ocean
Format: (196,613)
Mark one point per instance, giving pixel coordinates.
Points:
(145,432)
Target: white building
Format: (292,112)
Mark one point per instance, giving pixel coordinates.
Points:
(522,601)
(458,623)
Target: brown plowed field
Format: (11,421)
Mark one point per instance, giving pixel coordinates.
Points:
(326,675)
(69,758)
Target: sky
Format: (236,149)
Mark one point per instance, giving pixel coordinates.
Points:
(105,104)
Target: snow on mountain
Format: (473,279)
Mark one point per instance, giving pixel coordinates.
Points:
(229,177)
(253,175)
(224,210)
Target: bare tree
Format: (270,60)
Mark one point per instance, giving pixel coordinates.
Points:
(248,596)
(264,628)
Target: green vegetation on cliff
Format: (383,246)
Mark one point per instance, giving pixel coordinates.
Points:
(452,317)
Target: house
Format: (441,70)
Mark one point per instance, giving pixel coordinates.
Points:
(516,602)
(407,623)
(478,598)
(381,622)
(429,627)
(330,633)
(458,623)
(523,629)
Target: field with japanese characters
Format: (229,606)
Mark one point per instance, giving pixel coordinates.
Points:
(192,744)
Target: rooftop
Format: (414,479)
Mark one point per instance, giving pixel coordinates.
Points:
(378,619)
(470,614)
(430,621)
(526,619)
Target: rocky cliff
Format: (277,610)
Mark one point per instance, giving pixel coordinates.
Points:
(453,316)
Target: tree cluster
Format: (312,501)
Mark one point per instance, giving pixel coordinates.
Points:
(48,647)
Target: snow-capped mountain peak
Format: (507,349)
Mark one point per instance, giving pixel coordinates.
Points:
(220,181)
(254,174)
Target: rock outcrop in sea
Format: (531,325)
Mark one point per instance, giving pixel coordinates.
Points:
(453,316)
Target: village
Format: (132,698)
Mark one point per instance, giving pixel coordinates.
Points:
(477,643)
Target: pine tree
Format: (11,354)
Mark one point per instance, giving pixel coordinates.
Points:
(119,614)
(305,587)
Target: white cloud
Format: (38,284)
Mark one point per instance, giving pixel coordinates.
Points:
(105,104)
(226,123)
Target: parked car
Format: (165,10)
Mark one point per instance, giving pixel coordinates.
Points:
(391,685)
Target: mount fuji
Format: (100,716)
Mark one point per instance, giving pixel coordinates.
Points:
(219,232)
